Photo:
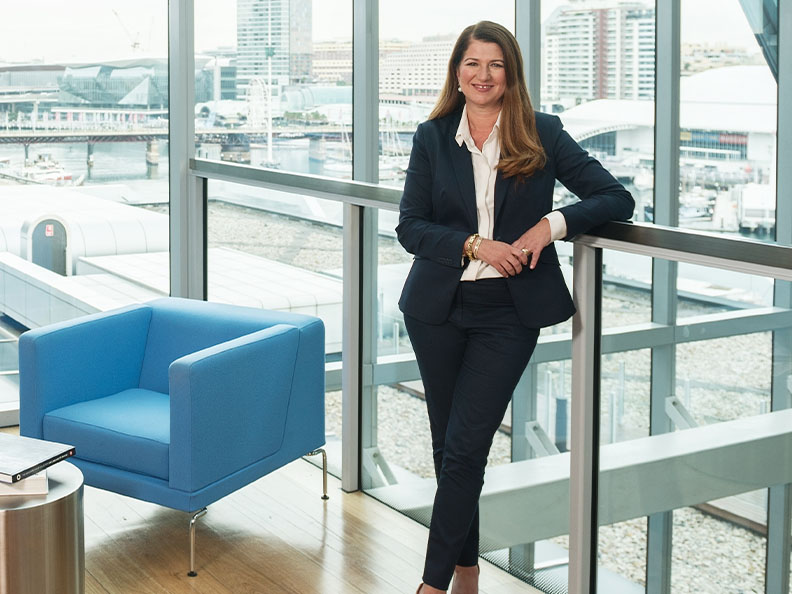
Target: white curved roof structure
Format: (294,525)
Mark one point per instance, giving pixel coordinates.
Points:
(733,98)
(95,227)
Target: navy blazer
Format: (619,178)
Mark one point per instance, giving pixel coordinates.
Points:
(438,212)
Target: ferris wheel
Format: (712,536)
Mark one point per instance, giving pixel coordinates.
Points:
(259,100)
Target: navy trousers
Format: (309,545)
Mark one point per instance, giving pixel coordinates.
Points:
(470,366)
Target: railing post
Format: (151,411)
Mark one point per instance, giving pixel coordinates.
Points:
(351,363)
(360,249)
(584,450)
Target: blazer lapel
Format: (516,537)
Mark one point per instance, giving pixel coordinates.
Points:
(463,170)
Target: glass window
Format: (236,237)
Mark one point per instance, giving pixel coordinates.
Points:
(728,101)
(598,71)
(283,252)
(273,84)
(697,487)
(624,416)
(715,387)
(83,162)
(413,63)
(9,372)
(702,290)
(393,266)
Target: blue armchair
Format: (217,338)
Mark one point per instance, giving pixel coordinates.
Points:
(177,402)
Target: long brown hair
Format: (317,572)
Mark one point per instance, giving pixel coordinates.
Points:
(521,151)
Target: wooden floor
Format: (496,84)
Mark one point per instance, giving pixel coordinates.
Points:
(274,536)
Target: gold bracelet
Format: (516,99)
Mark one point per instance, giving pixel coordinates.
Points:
(469,246)
(476,247)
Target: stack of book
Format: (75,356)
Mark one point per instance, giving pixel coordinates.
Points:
(23,461)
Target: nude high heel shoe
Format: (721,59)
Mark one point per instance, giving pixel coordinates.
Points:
(453,586)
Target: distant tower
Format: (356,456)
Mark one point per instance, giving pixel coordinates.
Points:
(599,50)
(288,24)
(300,41)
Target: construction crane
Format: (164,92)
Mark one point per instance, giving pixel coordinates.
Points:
(133,41)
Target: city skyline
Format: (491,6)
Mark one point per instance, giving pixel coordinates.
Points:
(127,30)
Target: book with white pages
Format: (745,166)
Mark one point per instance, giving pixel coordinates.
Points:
(21,457)
(28,487)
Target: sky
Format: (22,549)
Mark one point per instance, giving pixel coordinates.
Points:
(54,30)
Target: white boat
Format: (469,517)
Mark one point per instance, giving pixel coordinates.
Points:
(756,210)
(41,170)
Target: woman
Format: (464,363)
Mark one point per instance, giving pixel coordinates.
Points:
(477,215)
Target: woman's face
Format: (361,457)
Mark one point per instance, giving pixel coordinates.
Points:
(482,74)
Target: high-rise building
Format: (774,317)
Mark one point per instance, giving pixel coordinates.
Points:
(332,61)
(416,69)
(300,40)
(405,68)
(277,28)
(599,50)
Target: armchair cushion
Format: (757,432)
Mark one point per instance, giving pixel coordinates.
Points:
(106,430)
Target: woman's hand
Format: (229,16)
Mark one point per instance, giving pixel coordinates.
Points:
(532,242)
(506,259)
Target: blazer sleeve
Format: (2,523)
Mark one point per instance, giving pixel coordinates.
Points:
(603,198)
(418,231)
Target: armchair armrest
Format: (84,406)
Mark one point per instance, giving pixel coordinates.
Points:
(229,405)
(77,360)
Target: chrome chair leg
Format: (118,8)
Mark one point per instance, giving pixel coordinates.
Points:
(193,520)
(324,470)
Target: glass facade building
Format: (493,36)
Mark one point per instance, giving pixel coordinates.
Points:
(648,445)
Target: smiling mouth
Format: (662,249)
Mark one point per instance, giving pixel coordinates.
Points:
(483,87)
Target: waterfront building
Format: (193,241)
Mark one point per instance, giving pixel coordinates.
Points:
(23,85)
(133,84)
(415,69)
(696,57)
(332,61)
(137,82)
(405,68)
(599,50)
(718,121)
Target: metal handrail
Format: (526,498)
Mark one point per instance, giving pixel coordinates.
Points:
(670,243)
(328,188)
(695,247)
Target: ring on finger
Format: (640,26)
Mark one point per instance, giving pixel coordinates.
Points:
(525,251)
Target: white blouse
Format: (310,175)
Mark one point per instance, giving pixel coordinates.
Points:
(485,162)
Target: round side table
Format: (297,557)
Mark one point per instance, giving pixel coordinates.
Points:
(42,541)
